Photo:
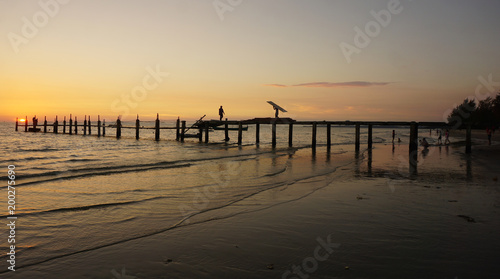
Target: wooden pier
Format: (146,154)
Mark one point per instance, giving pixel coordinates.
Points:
(203,128)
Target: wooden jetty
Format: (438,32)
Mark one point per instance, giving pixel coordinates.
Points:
(203,128)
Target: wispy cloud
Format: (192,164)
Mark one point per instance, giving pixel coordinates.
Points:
(325,84)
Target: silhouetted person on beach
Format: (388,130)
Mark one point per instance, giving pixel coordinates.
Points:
(35,122)
(221,113)
(447,137)
(393,135)
(439,138)
(424,143)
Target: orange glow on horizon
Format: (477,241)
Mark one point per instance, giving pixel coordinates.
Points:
(22,120)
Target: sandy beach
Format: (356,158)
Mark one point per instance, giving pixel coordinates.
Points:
(371,219)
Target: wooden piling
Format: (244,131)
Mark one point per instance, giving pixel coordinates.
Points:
(206,132)
(26,124)
(328,136)
(257,133)
(17,123)
(314,131)
(274,134)
(370,136)
(290,134)
(45,125)
(157,127)
(413,145)
(70,124)
(85,126)
(89,125)
(468,139)
(177,127)
(118,128)
(183,130)
(56,126)
(104,127)
(64,125)
(357,140)
(76,126)
(240,132)
(137,127)
(226,131)
(98,125)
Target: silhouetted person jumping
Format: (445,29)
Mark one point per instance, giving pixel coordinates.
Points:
(221,113)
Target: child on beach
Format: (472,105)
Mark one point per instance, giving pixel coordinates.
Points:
(446,137)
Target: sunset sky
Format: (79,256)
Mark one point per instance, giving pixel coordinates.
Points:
(187,57)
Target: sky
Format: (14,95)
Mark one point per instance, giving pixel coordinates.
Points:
(377,60)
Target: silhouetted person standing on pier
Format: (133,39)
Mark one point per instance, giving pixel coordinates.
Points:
(221,113)
(277,112)
(35,122)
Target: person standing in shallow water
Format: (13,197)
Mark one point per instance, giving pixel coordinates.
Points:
(393,135)
(221,113)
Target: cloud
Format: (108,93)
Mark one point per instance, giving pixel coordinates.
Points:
(325,84)
(343,84)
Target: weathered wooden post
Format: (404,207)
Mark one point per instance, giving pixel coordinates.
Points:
(370,136)
(357,141)
(45,125)
(240,133)
(56,126)
(329,136)
(70,124)
(26,124)
(226,131)
(157,127)
(183,130)
(85,126)
(177,127)
(17,123)
(274,134)
(76,126)
(468,139)
(90,125)
(314,130)
(98,125)
(206,132)
(104,127)
(64,125)
(290,134)
(118,128)
(137,126)
(413,146)
(257,133)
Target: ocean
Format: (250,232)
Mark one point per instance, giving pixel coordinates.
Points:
(77,194)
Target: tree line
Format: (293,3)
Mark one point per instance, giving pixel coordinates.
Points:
(480,114)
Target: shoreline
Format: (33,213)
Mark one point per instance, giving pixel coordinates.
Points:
(267,242)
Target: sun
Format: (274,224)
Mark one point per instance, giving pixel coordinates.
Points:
(22,120)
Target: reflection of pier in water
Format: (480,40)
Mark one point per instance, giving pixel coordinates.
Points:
(204,128)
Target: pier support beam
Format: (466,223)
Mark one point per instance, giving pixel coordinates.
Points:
(45,125)
(413,147)
(357,141)
(290,135)
(328,136)
(56,126)
(64,125)
(157,127)
(240,133)
(370,136)
(104,127)
(89,126)
(183,130)
(207,136)
(99,126)
(26,124)
(314,130)
(118,128)
(76,126)
(70,124)
(274,134)
(257,133)
(226,131)
(17,123)
(85,126)
(468,139)
(137,126)
(177,129)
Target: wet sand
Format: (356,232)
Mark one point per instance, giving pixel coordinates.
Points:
(375,218)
